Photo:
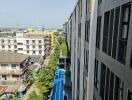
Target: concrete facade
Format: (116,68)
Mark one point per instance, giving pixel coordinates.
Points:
(31,45)
(99,37)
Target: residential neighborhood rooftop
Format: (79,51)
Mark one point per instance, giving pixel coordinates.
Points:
(10,57)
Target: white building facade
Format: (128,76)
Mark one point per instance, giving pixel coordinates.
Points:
(31,45)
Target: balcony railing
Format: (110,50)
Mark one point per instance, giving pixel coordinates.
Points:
(4,71)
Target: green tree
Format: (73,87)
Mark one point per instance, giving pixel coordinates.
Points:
(34,96)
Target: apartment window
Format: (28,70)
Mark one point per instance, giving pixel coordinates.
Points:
(40,46)
(15,50)
(4,77)
(33,46)
(9,41)
(125,21)
(123,36)
(2,41)
(107,84)
(14,41)
(96,74)
(9,46)
(40,52)
(86,59)
(33,41)
(3,66)
(110,32)
(111,86)
(20,48)
(27,46)
(3,46)
(78,79)
(81,8)
(102,80)
(15,46)
(118,90)
(14,66)
(40,41)
(99,2)
(115,34)
(98,32)
(106,30)
(87,30)
(131,60)
(19,43)
(86,6)
(34,52)
(27,51)
(129,97)
(27,41)
(79,30)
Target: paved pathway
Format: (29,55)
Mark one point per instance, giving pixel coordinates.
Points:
(31,89)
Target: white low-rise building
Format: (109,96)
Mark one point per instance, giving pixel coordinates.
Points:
(31,45)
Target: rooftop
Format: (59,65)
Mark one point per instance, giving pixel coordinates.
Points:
(10,57)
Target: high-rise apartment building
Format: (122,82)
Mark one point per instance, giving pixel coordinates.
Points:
(99,37)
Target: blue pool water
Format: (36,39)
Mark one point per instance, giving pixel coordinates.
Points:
(58,92)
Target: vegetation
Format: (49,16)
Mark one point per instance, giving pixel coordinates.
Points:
(63,46)
(45,77)
(34,96)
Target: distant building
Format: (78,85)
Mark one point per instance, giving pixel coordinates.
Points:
(31,42)
(13,68)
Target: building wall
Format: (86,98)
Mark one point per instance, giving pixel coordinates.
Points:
(100,55)
(115,61)
(20,45)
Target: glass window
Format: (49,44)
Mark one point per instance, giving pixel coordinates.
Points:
(34,52)
(20,48)
(96,74)
(98,32)
(15,46)
(40,41)
(3,66)
(14,66)
(33,41)
(102,80)
(14,41)
(118,90)
(131,60)
(40,52)
(3,46)
(9,41)
(27,46)
(123,36)
(9,46)
(40,46)
(27,41)
(27,51)
(129,97)
(125,21)
(116,32)
(2,41)
(33,46)
(105,32)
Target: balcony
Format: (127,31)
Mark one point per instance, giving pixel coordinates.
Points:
(5,72)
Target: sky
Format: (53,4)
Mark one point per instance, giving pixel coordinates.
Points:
(35,13)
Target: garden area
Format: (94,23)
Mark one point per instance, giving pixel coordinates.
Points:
(44,79)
